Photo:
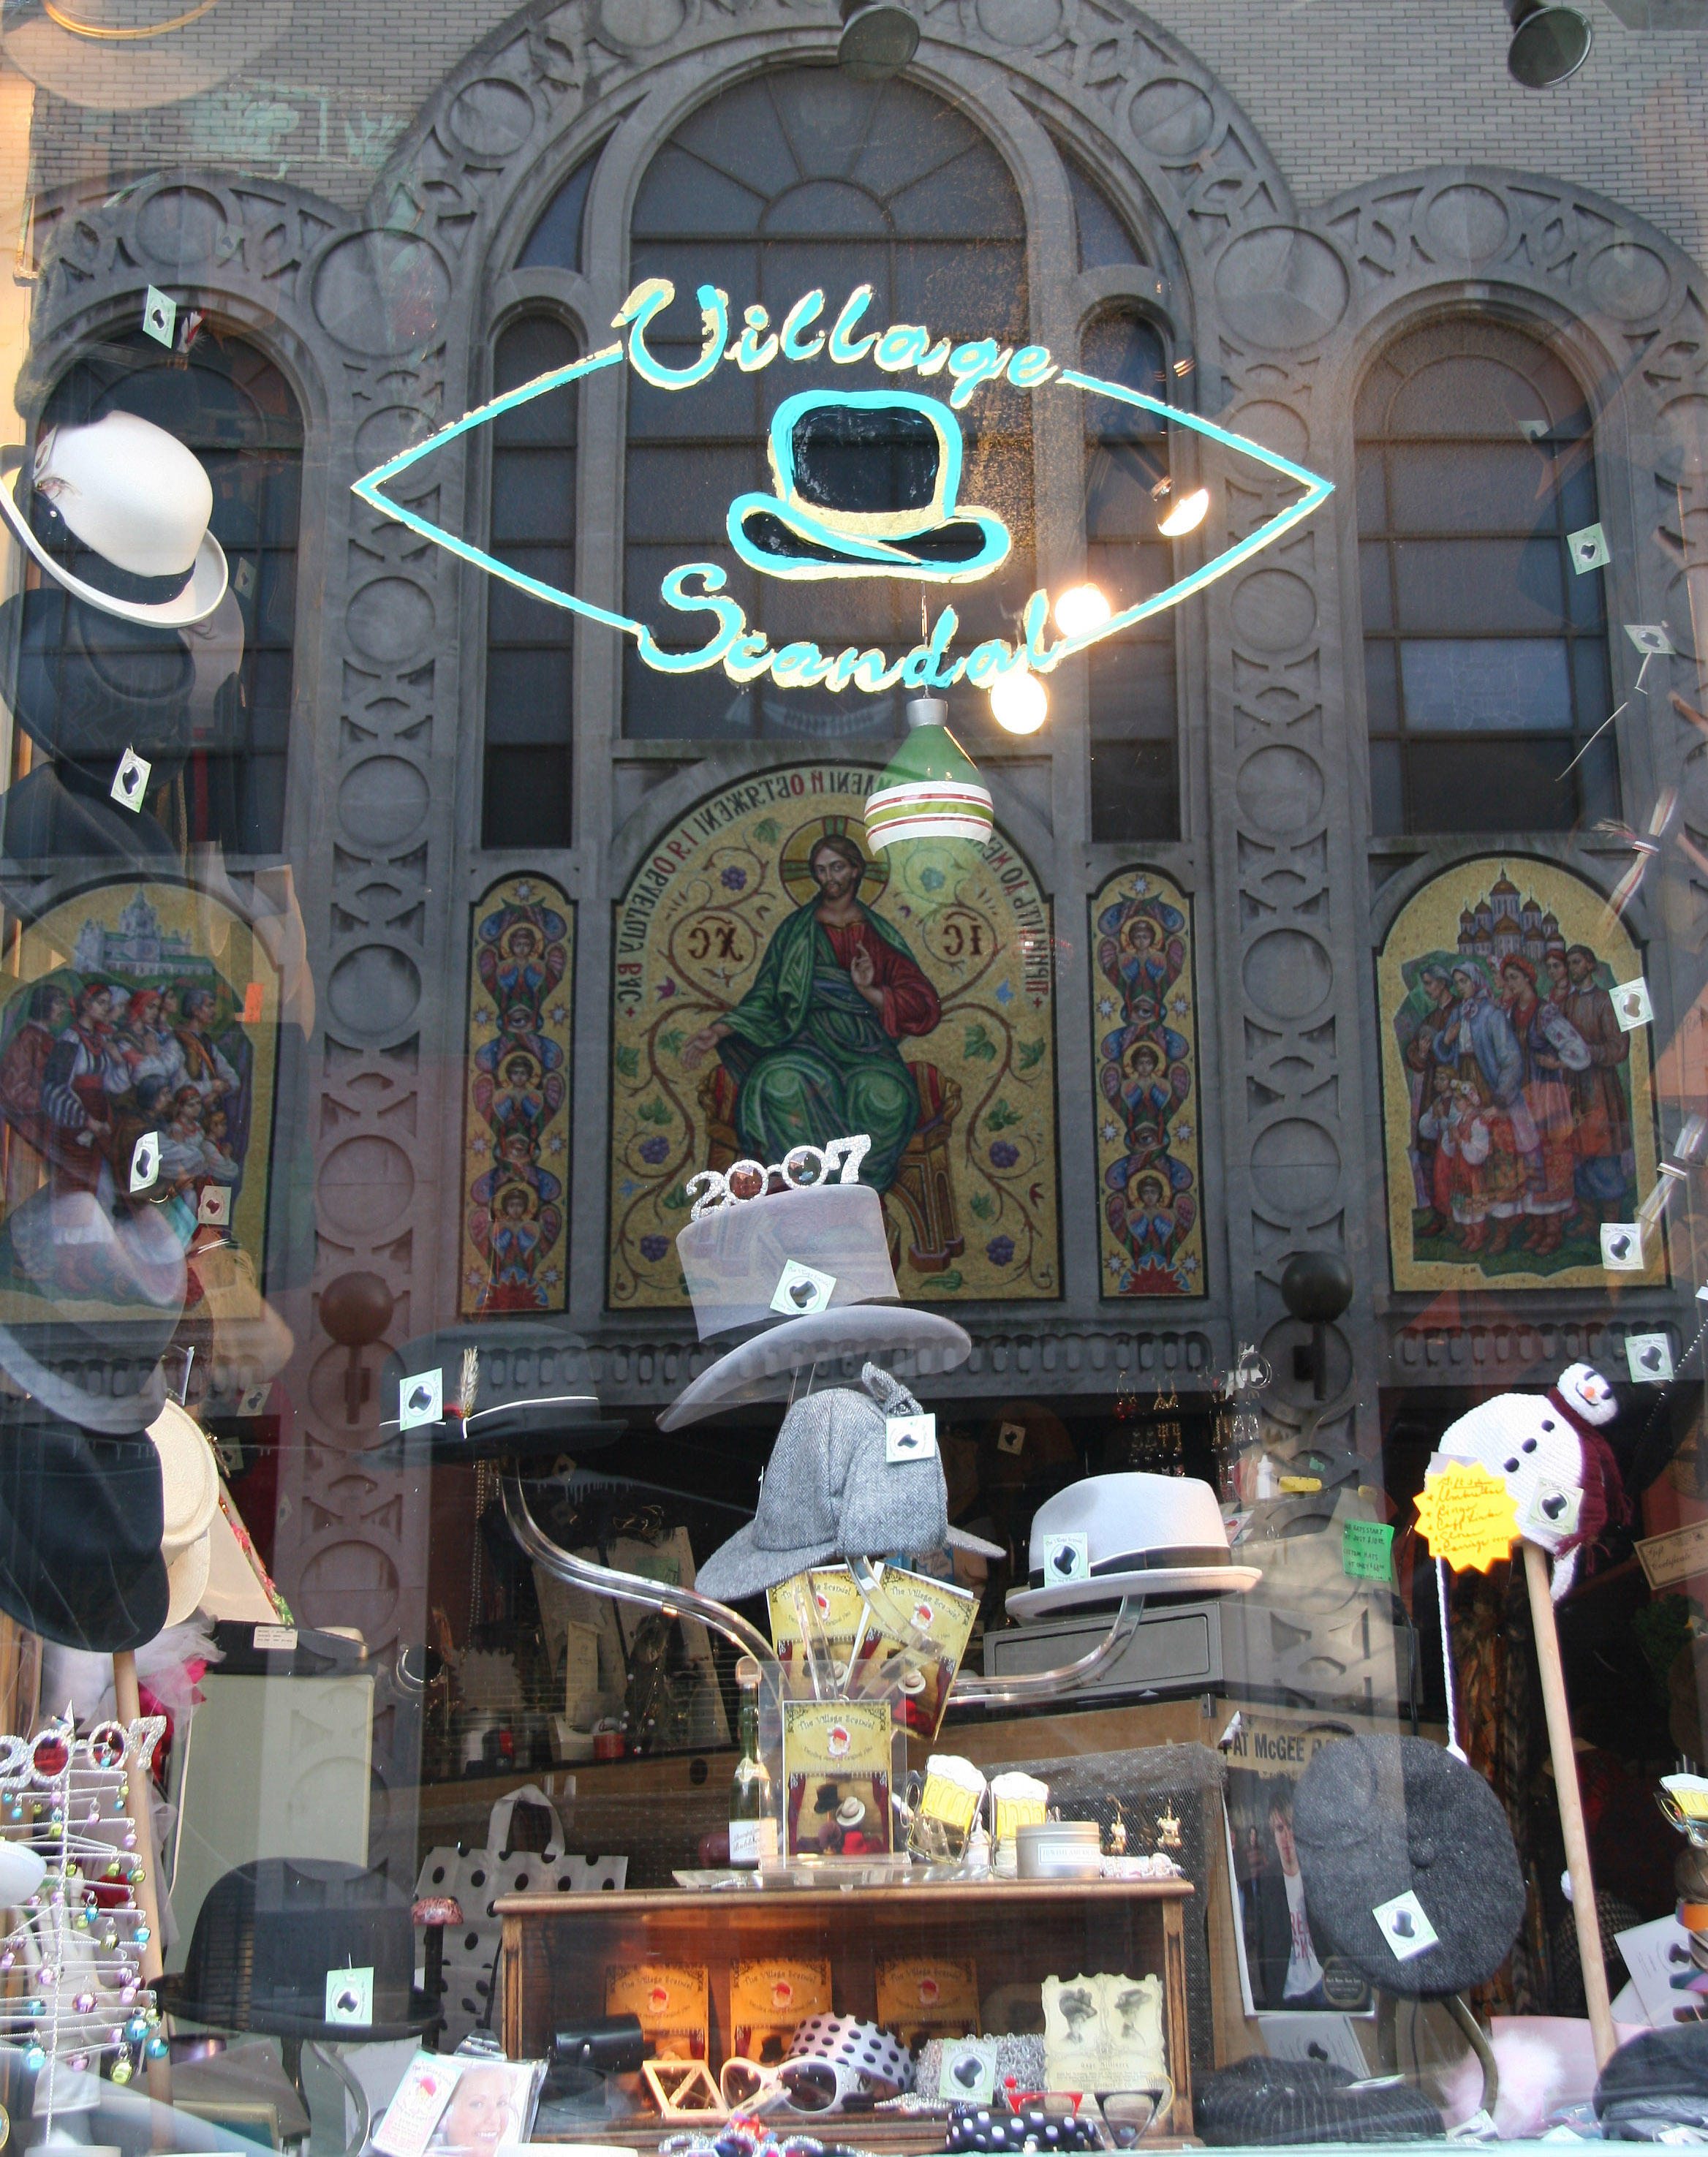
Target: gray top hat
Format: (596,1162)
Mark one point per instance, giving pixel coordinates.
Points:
(812,1266)
(829,1493)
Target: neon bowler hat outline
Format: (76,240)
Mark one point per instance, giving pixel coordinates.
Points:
(863,543)
(744,655)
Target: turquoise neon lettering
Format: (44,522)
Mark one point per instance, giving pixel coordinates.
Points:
(731,621)
(799,666)
(1030,366)
(920,667)
(650,298)
(870,671)
(971,364)
(844,352)
(989,659)
(933,362)
(804,311)
(1034,626)
(748,351)
(748,656)
(841,668)
(902,346)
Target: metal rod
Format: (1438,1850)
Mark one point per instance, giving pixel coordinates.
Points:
(1480,2046)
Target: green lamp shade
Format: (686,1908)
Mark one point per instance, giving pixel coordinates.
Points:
(929,790)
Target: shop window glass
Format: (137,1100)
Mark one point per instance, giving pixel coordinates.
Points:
(1135,789)
(1484,654)
(228,402)
(798,179)
(530,644)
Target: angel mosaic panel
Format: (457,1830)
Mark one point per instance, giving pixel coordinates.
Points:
(516,1146)
(1144,1043)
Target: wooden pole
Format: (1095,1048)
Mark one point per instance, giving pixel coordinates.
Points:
(129,1705)
(1571,1800)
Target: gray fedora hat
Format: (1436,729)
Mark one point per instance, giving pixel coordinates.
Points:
(829,1493)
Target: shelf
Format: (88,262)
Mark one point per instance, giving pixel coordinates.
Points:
(556,1948)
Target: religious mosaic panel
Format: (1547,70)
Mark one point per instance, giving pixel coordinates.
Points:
(143,1006)
(1517,1109)
(923,1015)
(1144,1044)
(516,1114)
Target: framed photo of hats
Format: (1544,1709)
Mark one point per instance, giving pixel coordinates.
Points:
(130,1018)
(1144,1048)
(516,1111)
(1518,1114)
(776,984)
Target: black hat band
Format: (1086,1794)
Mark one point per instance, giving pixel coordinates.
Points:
(1175,1560)
(82,562)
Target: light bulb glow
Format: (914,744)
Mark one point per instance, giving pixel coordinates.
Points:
(1186,516)
(1018,703)
(1079,608)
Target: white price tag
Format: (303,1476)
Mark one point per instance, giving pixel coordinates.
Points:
(1630,1005)
(350,1997)
(130,780)
(1589,548)
(802,1289)
(1648,1358)
(213,1206)
(1404,1926)
(420,1399)
(1622,1247)
(967,2075)
(276,1639)
(1066,1557)
(145,1162)
(909,1438)
(159,317)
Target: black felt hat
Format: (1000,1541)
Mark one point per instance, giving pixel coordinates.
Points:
(1281,2102)
(50,816)
(1659,2080)
(81,1520)
(87,685)
(533,1394)
(1377,1818)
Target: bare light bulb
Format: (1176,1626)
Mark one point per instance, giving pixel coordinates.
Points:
(1081,609)
(1186,516)
(1018,703)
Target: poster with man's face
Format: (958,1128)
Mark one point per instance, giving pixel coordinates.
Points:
(1284,1968)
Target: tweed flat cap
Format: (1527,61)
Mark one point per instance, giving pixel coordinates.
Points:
(829,1493)
(1377,1818)
(1282,2103)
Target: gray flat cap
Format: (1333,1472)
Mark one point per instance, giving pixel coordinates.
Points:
(829,1493)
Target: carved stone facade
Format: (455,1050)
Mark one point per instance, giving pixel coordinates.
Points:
(384,324)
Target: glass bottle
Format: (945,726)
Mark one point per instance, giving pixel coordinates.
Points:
(753,1824)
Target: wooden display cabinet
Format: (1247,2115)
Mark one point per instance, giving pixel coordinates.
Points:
(556,1948)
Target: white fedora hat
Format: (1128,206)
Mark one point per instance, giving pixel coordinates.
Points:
(189,1484)
(130,504)
(1144,1534)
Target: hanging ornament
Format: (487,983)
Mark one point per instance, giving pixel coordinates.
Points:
(930,789)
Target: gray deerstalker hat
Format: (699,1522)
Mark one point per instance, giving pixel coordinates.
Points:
(829,1493)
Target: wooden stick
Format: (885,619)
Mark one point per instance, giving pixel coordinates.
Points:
(1571,1800)
(129,1705)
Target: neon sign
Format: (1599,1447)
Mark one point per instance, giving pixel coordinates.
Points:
(799,531)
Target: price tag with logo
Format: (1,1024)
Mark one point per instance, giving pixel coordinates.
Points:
(909,1438)
(350,1997)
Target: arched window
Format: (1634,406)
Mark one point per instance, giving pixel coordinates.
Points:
(555,242)
(1485,655)
(805,178)
(1101,235)
(530,644)
(233,408)
(1130,681)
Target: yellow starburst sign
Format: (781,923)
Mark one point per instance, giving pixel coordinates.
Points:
(1467,1515)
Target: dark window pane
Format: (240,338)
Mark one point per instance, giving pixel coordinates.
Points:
(1501,487)
(1381,687)
(1466,685)
(527,695)
(525,798)
(1496,586)
(1489,786)
(1131,690)
(1104,239)
(1373,586)
(555,242)
(1133,791)
(1387,793)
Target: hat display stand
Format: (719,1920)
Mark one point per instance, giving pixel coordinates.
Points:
(1566,1487)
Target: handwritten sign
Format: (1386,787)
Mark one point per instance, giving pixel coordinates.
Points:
(1367,1550)
(1676,1556)
(1468,1516)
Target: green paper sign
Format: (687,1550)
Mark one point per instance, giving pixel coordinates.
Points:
(1367,1550)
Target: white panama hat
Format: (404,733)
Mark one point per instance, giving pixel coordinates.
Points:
(189,1484)
(1144,1535)
(137,500)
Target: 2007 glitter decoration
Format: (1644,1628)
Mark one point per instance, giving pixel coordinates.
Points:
(69,1866)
